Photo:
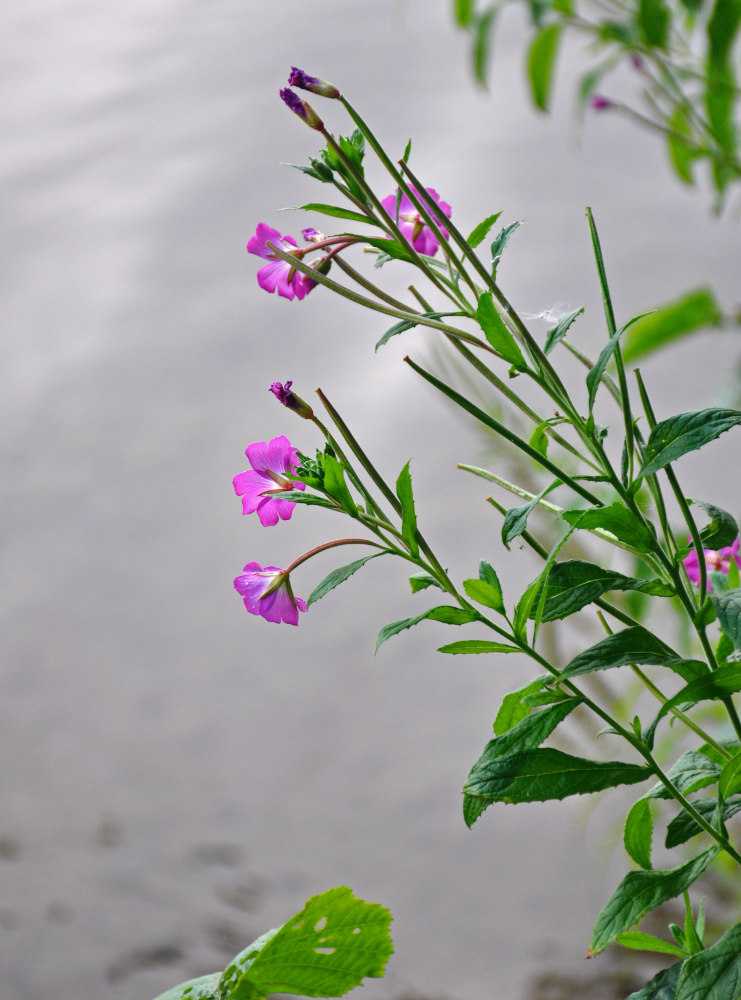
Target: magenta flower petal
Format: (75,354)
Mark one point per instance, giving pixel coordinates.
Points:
(718,561)
(279,605)
(278,275)
(411,223)
(272,462)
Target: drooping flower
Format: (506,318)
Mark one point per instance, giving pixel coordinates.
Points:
(412,224)
(716,560)
(267,592)
(288,398)
(315,84)
(301,108)
(272,463)
(278,274)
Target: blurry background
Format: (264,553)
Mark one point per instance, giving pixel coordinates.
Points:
(178,775)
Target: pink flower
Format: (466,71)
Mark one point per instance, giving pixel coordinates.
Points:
(270,462)
(267,592)
(719,561)
(411,223)
(278,274)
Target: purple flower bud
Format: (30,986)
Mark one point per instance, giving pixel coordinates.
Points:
(600,103)
(284,395)
(302,109)
(313,83)
(312,235)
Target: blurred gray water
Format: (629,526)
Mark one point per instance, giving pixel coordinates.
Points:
(178,776)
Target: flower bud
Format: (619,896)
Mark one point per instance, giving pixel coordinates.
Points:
(313,83)
(284,395)
(302,109)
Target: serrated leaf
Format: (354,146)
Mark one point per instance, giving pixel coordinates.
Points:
(515,520)
(671,439)
(203,988)
(408,514)
(638,833)
(513,709)
(484,593)
(488,574)
(497,333)
(545,774)
(575,583)
(714,686)
(478,646)
(730,777)
(421,581)
(722,529)
(336,212)
(446,614)
(500,242)
(694,311)
(301,496)
(728,608)
(541,61)
(638,941)
(338,576)
(692,771)
(634,645)
(479,234)
(642,891)
(684,826)
(661,987)
(393,331)
(616,519)
(713,974)
(327,949)
(559,331)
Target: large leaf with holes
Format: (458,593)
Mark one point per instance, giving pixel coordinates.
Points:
(204,988)
(327,949)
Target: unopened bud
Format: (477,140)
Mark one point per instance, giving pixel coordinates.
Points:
(302,109)
(284,395)
(313,83)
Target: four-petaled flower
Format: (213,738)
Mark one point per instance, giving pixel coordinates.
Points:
(278,274)
(272,463)
(267,592)
(718,560)
(412,224)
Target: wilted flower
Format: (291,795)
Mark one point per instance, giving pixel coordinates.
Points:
(716,560)
(267,592)
(278,274)
(271,461)
(316,85)
(412,224)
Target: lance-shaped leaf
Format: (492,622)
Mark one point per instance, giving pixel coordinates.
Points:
(500,242)
(297,496)
(616,519)
(715,686)
(389,249)
(642,891)
(478,646)
(327,949)
(638,833)
(575,583)
(661,987)
(541,61)
(421,581)
(497,333)
(336,487)
(408,514)
(203,988)
(515,520)
(693,770)
(684,826)
(634,645)
(691,312)
(338,213)
(728,609)
(559,331)
(541,775)
(672,438)
(479,234)
(715,973)
(514,708)
(722,529)
(445,613)
(338,576)
(730,778)
(639,941)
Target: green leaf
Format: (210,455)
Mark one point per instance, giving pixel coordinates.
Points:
(723,528)
(421,581)
(497,333)
(390,248)
(479,234)
(484,593)
(594,378)
(393,331)
(204,988)
(338,576)
(488,574)
(336,487)
(335,211)
(713,974)
(444,613)
(616,519)
(730,777)
(301,496)
(574,584)
(541,61)
(672,438)
(559,331)
(642,891)
(482,43)
(545,774)
(684,826)
(513,709)
(682,148)
(693,770)
(500,242)
(654,18)
(639,941)
(728,608)
(464,12)
(638,833)
(694,311)
(478,646)
(638,646)
(327,949)
(710,687)
(661,987)
(515,520)
(408,515)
